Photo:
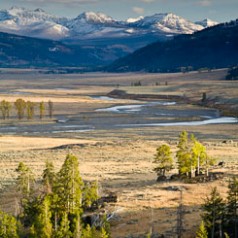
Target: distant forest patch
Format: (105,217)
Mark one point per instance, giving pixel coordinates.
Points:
(232,73)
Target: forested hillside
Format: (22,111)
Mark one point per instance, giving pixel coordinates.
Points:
(214,47)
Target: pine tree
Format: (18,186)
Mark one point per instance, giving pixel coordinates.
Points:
(42,224)
(48,176)
(213,213)
(163,159)
(25,179)
(232,208)
(90,194)
(64,227)
(68,191)
(69,184)
(104,233)
(202,231)
(8,226)
(87,232)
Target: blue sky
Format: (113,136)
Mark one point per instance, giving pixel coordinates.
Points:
(218,10)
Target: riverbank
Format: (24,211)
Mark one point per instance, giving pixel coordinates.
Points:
(225,109)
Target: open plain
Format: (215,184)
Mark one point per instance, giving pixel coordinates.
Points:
(115,139)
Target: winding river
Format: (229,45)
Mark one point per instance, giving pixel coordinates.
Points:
(137,115)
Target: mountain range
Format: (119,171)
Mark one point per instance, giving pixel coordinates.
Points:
(95,39)
(90,25)
(214,47)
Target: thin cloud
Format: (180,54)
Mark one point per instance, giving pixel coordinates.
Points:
(205,3)
(75,2)
(138,10)
(147,1)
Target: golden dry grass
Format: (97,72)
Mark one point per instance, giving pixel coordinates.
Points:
(122,160)
(124,167)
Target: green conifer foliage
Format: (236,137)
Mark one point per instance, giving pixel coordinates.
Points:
(42,224)
(232,208)
(202,231)
(213,213)
(25,179)
(163,159)
(69,185)
(90,194)
(48,177)
(8,226)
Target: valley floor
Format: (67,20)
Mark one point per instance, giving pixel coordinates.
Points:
(120,157)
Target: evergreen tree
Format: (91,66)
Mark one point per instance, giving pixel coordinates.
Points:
(213,214)
(8,226)
(87,232)
(69,185)
(68,191)
(20,105)
(232,208)
(64,227)
(31,206)
(226,235)
(25,179)
(104,233)
(42,224)
(90,194)
(202,231)
(49,177)
(163,159)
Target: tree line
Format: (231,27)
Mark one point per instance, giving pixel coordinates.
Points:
(192,158)
(25,109)
(54,206)
(232,73)
(220,216)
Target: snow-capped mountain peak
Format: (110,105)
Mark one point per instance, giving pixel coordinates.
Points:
(133,20)
(207,23)
(35,23)
(38,23)
(93,17)
(168,22)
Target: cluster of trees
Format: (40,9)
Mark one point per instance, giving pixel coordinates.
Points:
(53,207)
(192,158)
(24,108)
(220,217)
(232,73)
(136,84)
